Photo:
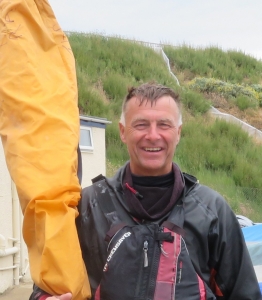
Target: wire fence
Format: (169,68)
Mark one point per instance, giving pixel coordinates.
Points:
(251,194)
(246,194)
(245,201)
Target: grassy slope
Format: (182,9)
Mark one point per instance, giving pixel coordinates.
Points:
(219,154)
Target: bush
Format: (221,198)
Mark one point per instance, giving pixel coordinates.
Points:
(258,89)
(243,102)
(245,96)
(246,176)
(115,86)
(239,139)
(90,100)
(195,102)
(218,157)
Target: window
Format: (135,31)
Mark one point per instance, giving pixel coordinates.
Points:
(86,138)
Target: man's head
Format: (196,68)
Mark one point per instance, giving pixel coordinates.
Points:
(150,92)
(150,126)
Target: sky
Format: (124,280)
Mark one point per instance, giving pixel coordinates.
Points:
(227,24)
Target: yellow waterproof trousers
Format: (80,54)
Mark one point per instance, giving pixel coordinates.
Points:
(39,127)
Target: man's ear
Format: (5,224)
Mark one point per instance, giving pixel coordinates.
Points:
(179,134)
(122,132)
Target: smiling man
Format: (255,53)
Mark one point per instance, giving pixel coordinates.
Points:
(153,232)
(151,130)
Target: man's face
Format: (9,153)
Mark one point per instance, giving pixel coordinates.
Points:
(151,135)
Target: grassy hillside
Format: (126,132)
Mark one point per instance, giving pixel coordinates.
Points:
(221,155)
(230,80)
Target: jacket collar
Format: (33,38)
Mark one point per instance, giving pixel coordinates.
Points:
(116,181)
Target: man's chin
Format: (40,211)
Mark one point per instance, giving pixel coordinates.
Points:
(150,168)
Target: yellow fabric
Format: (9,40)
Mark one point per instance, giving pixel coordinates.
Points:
(39,127)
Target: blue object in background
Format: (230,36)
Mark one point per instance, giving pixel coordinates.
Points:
(253,238)
(253,233)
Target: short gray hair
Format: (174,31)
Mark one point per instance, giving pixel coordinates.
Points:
(150,92)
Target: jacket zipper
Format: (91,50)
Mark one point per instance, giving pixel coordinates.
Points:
(161,244)
(180,271)
(154,270)
(143,267)
(145,248)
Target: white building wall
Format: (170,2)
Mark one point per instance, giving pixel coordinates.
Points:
(6,229)
(24,270)
(11,232)
(94,162)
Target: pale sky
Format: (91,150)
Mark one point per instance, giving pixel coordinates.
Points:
(227,24)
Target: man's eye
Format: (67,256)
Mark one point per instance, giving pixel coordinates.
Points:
(140,126)
(164,125)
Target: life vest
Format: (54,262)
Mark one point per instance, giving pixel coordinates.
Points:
(147,261)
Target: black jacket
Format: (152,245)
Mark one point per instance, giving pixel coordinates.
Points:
(212,234)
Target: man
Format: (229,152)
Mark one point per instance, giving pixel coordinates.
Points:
(151,192)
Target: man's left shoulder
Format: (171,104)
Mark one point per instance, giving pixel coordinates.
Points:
(207,198)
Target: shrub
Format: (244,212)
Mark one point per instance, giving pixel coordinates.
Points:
(245,96)
(115,86)
(246,176)
(244,102)
(258,89)
(195,102)
(90,100)
(218,158)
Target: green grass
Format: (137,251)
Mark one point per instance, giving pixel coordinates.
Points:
(219,154)
(219,146)
(212,62)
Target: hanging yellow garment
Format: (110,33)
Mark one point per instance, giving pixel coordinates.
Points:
(39,127)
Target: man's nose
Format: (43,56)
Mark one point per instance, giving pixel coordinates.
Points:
(153,133)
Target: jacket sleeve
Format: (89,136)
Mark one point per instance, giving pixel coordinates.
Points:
(38,294)
(92,226)
(39,128)
(232,276)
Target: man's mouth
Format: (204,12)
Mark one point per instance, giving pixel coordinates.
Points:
(152,149)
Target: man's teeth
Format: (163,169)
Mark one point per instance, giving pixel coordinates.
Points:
(152,149)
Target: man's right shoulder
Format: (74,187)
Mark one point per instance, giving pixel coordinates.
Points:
(91,191)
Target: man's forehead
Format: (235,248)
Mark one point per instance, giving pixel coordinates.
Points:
(158,119)
(149,103)
(146,101)
(163,103)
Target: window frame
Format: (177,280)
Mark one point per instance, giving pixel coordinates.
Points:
(83,147)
